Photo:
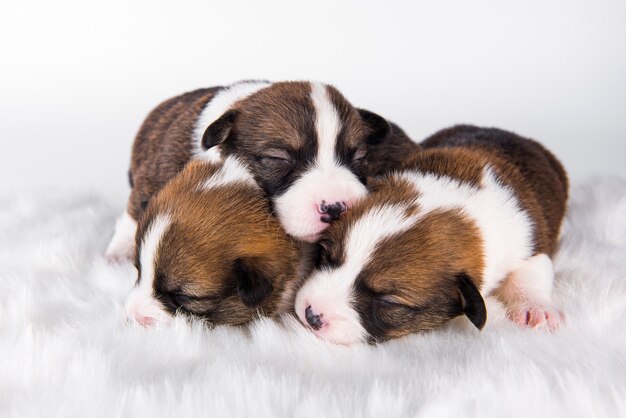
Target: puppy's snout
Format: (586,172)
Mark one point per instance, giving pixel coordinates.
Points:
(331,212)
(145,321)
(314,320)
(143,310)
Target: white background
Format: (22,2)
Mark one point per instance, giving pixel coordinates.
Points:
(78,77)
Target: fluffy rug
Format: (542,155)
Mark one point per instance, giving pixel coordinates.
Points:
(65,350)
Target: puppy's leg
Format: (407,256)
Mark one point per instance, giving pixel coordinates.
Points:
(527,294)
(122,245)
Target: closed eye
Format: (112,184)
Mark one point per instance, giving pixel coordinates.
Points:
(175,301)
(190,298)
(388,300)
(201,306)
(359,154)
(276,161)
(277,156)
(391,301)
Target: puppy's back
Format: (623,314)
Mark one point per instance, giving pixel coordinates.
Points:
(162,146)
(389,154)
(539,172)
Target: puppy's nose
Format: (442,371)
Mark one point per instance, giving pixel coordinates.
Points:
(315,321)
(331,212)
(144,321)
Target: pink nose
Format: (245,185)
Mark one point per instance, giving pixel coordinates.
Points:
(144,321)
(331,211)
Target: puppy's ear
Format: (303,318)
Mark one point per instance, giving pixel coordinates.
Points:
(377,127)
(472,303)
(220,130)
(253,285)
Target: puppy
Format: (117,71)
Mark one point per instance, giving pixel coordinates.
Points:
(208,246)
(477,212)
(307,147)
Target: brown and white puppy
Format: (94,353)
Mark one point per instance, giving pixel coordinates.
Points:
(208,246)
(477,212)
(307,147)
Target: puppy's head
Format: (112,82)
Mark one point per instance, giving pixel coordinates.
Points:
(388,269)
(307,148)
(207,246)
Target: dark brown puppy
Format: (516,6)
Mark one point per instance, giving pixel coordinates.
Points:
(307,147)
(208,246)
(477,212)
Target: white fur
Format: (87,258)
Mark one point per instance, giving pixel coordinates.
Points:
(326,180)
(533,279)
(67,352)
(212,155)
(122,243)
(220,104)
(141,303)
(327,125)
(231,171)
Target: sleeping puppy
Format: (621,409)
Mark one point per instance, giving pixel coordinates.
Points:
(208,246)
(307,147)
(477,212)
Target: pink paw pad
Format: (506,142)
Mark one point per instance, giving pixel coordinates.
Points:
(536,317)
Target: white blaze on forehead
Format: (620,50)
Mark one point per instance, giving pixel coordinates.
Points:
(231,171)
(149,247)
(327,125)
(141,299)
(378,223)
(217,106)
(325,180)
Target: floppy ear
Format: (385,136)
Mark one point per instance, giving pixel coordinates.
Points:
(253,286)
(218,131)
(377,127)
(472,303)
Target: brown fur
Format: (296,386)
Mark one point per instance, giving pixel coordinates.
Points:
(390,154)
(217,235)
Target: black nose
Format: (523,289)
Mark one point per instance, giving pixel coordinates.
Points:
(315,321)
(332,212)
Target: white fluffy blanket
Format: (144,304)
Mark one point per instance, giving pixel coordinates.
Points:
(65,350)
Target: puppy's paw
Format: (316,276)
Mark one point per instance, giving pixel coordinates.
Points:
(122,246)
(536,316)
(118,257)
(119,251)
